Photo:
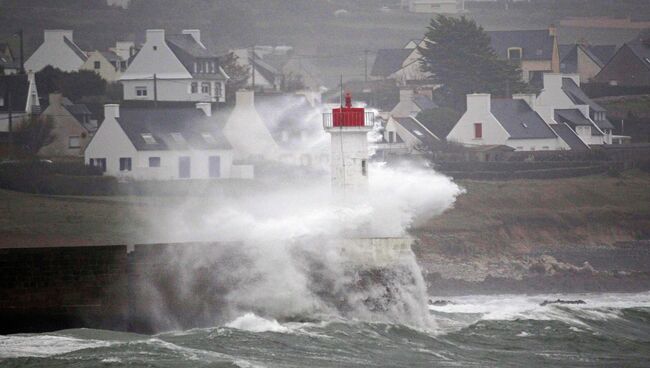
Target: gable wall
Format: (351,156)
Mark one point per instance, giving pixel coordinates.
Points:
(56,53)
(625,69)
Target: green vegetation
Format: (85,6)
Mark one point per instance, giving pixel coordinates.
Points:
(520,215)
(460,58)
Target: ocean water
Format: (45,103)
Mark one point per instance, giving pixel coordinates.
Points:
(609,330)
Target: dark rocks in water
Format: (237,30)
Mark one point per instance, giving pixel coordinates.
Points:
(560,301)
(440,303)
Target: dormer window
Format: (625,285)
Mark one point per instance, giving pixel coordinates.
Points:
(155,48)
(178,137)
(208,138)
(514,53)
(148,138)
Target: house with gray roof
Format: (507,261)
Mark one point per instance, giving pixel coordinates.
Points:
(511,122)
(72,127)
(175,67)
(58,50)
(107,64)
(164,143)
(562,97)
(584,59)
(630,66)
(536,51)
(401,65)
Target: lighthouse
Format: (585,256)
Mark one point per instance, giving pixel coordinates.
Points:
(348,127)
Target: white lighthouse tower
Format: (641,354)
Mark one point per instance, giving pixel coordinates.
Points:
(349,127)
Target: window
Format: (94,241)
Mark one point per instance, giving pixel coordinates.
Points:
(391,137)
(524,125)
(74,141)
(196,68)
(148,138)
(364,168)
(122,66)
(418,133)
(125,163)
(98,162)
(97,65)
(155,48)
(208,138)
(177,137)
(214,166)
(478,130)
(184,167)
(154,161)
(205,87)
(546,148)
(2,101)
(514,53)
(194,87)
(217,89)
(141,91)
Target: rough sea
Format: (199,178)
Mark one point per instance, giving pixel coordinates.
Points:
(609,330)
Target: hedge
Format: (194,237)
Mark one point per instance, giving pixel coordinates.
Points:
(557,173)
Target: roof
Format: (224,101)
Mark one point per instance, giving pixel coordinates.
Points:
(640,50)
(519,120)
(535,44)
(265,69)
(190,122)
(424,102)
(18,85)
(570,137)
(188,44)
(82,114)
(604,53)
(574,117)
(82,55)
(418,130)
(388,61)
(578,96)
(111,56)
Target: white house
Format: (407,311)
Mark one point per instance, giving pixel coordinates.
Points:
(434,6)
(401,65)
(247,132)
(58,50)
(510,122)
(562,101)
(17,92)
(411,103)
(174,68)
(163,144)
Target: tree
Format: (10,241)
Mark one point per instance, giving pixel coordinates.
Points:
(73,85)
(459,55)
(292,82)
(238,75)
(35,133)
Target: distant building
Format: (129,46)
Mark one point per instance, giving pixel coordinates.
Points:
(265,76)
(19,95)
(509,122)
(174,68)
(106,64)
(561,100)
(8,63)
(164,143)
(536,51)
(585,60)
(402,65)
(411,103)
(434,6)
(630,66)
(72,127)
(58,50)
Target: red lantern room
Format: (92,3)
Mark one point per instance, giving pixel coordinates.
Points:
(348,116)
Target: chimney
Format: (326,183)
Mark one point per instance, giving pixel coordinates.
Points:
(54,35)
(155,37)
(111,111)
(406,94)
(244,98)
(552,30)
(479,102)
(529,98)
(55,99)
(206,107)
(195,33)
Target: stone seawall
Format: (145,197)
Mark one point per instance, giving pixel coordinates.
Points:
(54,288)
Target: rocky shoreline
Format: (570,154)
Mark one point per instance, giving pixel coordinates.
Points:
(624,267)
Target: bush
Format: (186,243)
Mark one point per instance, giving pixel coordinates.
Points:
(46,178)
